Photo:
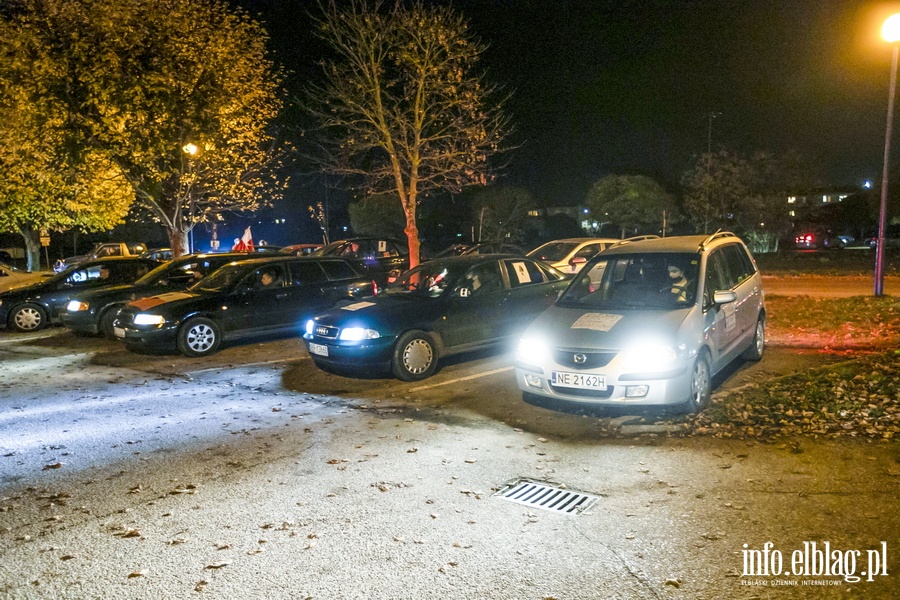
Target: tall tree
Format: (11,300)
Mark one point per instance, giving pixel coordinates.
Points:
(402,109)
(633,202)
(178,94)
(42,189)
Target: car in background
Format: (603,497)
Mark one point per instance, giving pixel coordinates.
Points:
(93,311)
(383,259)
(493,248)
(11,277)
(38,305)
(103,250)
(160,254)
(300,249)
(260,295)
(570,254)
(439,308)
(647,323)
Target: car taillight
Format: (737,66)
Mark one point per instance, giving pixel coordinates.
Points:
(375,290)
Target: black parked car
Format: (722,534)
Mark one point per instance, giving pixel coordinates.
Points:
(35,306)
(381,258)
(93,311)
(441,307)
(258,295)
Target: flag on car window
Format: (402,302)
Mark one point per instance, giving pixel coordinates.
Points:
(245,243)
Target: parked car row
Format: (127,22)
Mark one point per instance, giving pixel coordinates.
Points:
(640,321)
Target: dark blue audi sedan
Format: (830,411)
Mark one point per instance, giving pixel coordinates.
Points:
(442,307)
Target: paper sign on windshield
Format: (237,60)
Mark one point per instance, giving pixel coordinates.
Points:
(357,305)
(596,321)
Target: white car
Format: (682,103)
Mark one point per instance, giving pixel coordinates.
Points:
(647,323)
(11,277)
(569,255)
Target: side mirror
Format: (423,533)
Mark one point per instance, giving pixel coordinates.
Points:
(724,296)
(577,260)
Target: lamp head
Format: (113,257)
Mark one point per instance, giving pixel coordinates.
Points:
(890,31)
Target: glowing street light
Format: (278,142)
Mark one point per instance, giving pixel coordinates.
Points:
(190,149)
(890,31)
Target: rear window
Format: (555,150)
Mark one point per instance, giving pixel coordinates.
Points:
(307,272)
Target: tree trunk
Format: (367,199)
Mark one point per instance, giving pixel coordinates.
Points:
(178,241)
(32,247)
(412,237)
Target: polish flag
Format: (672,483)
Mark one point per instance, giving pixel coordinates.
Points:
(245,244)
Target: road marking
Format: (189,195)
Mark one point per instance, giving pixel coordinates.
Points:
(458,379)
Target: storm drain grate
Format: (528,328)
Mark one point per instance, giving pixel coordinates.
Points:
(547,497)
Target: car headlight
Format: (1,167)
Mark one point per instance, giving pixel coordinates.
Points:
(147,319)
(358,333)
(648,356)
(77,306)
(532,349)
(310,325)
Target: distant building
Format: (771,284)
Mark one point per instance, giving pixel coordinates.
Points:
(799,205)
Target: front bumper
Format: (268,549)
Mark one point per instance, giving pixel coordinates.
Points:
(365,354)
(83,321)
(148,336)
(668,388)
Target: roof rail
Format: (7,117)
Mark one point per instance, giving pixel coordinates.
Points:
(718,234)
(636,238)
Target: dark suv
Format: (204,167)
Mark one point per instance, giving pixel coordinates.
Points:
(275,294)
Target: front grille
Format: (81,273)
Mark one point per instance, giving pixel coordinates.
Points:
(599,394)
(546,496)
(324,331)
(577,359)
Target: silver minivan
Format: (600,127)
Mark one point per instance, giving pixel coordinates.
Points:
(647,323)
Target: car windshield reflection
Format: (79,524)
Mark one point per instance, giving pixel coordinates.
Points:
(429,280)
(222,279)
(657,281)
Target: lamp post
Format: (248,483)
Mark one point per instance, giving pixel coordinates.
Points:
(191,150)
(890,31)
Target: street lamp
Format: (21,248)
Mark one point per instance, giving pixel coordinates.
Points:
(890,31)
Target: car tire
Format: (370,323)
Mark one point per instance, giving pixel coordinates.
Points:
(105,322)
(28,317)
(701,385)
(415,356)
(199,337)
(754,351)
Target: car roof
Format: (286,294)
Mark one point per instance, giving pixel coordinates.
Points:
(680,243)
(580,240)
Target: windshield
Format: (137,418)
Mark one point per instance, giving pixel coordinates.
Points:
(222,279)
(177,273)
(552,251)
(429,280)
(635,281)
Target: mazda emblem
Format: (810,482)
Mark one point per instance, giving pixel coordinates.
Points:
(579,359)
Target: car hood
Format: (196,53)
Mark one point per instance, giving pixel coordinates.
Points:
(613,329)
(380,312)
(162,301)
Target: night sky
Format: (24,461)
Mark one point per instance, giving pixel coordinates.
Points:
(629,86)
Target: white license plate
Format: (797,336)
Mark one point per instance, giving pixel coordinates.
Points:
(318,349)
(580,381)
(118,332)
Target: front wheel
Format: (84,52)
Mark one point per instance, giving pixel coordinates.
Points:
(754,352)
(701,385)
(28,317)
(105,324)
(198,337)
(415,356)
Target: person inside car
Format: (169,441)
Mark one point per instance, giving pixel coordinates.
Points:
(678,283)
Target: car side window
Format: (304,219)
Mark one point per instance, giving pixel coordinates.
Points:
(307,273)
(482,279)
(522,272)
(588,251)
(716,277)
(739,264)
(268,277)
(338,269)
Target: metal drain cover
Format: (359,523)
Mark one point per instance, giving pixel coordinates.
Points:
(546,496)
